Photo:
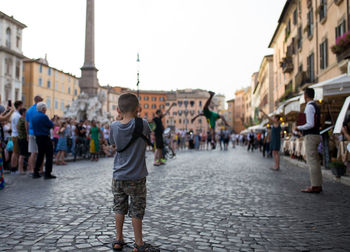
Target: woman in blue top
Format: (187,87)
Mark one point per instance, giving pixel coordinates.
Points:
(275,144)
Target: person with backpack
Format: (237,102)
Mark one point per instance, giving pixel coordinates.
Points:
(311,133)
(130,135)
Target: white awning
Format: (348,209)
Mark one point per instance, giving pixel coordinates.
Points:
(341,116)
(292,105)
(335,86)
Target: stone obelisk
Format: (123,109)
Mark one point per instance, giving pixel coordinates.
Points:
(88,82)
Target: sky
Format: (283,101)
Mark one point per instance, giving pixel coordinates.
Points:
(208,44)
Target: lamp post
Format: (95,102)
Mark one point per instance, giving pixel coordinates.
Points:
(138,75)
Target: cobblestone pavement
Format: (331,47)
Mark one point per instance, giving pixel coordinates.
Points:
(200,201)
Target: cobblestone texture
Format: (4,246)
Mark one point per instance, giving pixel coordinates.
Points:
(200,201)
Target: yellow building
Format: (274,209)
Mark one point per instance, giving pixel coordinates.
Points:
(302,44)
(57,88)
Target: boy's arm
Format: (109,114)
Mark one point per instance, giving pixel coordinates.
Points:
(111,139)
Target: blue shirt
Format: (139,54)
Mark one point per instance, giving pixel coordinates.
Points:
(41,124)
(31,112)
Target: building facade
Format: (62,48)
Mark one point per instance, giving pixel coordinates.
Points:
(265,81)
(11,59)
(151,101)
(231,113)
(239,110)
(111,103)
(57,88)
(302,44)
(188,104)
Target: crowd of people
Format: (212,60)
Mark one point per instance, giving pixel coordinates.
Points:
(28,135)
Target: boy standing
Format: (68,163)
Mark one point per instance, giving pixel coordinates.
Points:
(129,172)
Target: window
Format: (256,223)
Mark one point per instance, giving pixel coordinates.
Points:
(56,104)
(146,114)
(8,66)
(200,121)
(40,82)
(62,105)
(18,39)
(295,17)
(161,98)
(16,94)
(167,104)
(174,113)
(180,120)
(299,38)
(48,84)
(56,85)
(310,23)
(154,98)
(192,103)
(8,37)
(49,71)
(323,9)
(146,98)
(179,103)
(68,90)
(40,68)
(340,30)
(200,103)
(324,54)
(145,106)
(62,88)
(311,67)
(75,92)
(287,31)
(161,106)
(48,102)
(18,67)
(154,106)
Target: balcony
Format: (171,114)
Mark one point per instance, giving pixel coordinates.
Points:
(301,79)
(287,64)
(342,47)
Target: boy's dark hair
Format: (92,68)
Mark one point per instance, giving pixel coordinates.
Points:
(310,92)
(18,103)
(158,111)
(22,111)
(128,103)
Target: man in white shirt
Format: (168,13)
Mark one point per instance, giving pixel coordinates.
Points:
(14,134)
(311,133)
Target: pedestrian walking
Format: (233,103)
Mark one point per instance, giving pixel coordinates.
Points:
(22,141)
(41,128)
(275,144)
(32,145)
(4,116)
(129,172)
(311,133)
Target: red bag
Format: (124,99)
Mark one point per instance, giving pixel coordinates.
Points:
(301,119)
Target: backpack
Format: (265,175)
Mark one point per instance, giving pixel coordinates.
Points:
(138,132)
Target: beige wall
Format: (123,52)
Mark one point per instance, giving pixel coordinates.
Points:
(239,110)
(58,89)
(322,30)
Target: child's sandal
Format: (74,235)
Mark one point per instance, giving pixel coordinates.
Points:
(118,245)
(145,248)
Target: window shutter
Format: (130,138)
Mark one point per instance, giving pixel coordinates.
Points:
(321,56)
(326,50)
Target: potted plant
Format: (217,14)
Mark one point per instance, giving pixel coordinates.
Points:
(338,168)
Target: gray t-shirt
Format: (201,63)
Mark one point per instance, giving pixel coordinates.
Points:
(131,163)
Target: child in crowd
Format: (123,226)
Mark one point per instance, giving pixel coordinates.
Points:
(61,144)
(130,171)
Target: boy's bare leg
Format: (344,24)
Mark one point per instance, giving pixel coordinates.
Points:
(20,164)
(207,103)
(119,222)
(137,226)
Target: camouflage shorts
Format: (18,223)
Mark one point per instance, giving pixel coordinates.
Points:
(136,190)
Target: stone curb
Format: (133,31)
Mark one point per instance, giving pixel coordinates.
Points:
(325,173)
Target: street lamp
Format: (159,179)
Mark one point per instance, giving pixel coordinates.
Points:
(138,75)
